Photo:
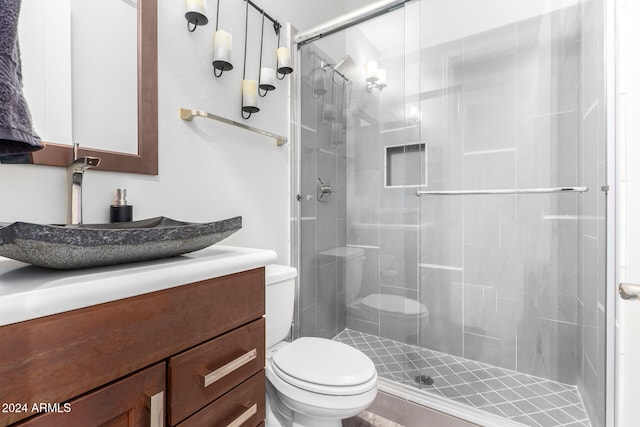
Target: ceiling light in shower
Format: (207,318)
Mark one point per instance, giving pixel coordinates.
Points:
(195,14)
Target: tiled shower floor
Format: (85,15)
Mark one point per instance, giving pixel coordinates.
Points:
(524,398)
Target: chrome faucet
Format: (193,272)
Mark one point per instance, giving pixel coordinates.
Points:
(75,173)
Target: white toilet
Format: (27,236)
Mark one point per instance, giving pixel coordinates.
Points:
(311,382)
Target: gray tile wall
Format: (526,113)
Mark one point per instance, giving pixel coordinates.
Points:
(514,281)
(384,223)
(499,274)
(591,227)
(519,282)
(321,298)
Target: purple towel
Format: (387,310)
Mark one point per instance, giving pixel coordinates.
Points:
(16,131)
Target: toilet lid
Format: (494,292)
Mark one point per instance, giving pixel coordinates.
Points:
(322,365)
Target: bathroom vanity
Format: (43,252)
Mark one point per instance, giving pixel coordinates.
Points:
(176,342)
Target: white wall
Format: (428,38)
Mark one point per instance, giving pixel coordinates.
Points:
(628,14)
(208,171)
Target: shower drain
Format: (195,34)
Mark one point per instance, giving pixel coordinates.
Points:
(424,380)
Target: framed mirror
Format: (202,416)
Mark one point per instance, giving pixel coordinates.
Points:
(145,160)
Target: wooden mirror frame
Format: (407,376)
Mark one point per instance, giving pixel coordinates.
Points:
(146,160)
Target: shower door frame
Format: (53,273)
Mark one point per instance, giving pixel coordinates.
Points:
(611,214)
(611,274)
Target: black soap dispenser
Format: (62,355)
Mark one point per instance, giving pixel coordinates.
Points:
(120,211)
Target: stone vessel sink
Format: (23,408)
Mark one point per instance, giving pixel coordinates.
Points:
(68,247)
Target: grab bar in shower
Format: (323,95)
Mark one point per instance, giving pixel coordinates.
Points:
(504,191)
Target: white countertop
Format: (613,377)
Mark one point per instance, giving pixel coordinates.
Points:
(28,292)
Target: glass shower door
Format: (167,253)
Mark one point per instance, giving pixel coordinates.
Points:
(489,297)
(513,281)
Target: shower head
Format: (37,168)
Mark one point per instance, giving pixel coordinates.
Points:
(343,62)
(345,67)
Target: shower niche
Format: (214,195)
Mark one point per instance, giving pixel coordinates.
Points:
(404,164)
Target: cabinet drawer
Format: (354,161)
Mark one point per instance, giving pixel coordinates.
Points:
(204,373)
(243,405)
(126,403)
(55,358)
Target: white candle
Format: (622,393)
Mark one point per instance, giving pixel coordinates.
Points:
(250,96)
(267,78)
(222,42)
(284,60)
(195,6)
(372,71)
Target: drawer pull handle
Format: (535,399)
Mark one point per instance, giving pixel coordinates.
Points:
(244,416)
(212,377)
(155,404)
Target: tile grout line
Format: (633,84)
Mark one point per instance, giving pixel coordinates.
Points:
(413,357)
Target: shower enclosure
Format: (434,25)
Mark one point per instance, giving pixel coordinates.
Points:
(450,219)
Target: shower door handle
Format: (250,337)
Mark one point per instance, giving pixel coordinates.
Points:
(629,291)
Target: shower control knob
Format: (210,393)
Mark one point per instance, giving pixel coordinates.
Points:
(324,191)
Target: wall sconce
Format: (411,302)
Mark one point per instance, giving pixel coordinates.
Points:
(249,98)
(382,78)
(195,14)
(376,77)
(222,42)
(372,71)
(267,77)
(249,87)
(283,58)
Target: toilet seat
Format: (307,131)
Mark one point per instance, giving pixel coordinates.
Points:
(326,367)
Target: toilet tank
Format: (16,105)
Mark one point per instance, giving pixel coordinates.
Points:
(279,300)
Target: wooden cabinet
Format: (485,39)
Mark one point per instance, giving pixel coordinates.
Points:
(236,408)
(204,373)
(130,402)
(107,361)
